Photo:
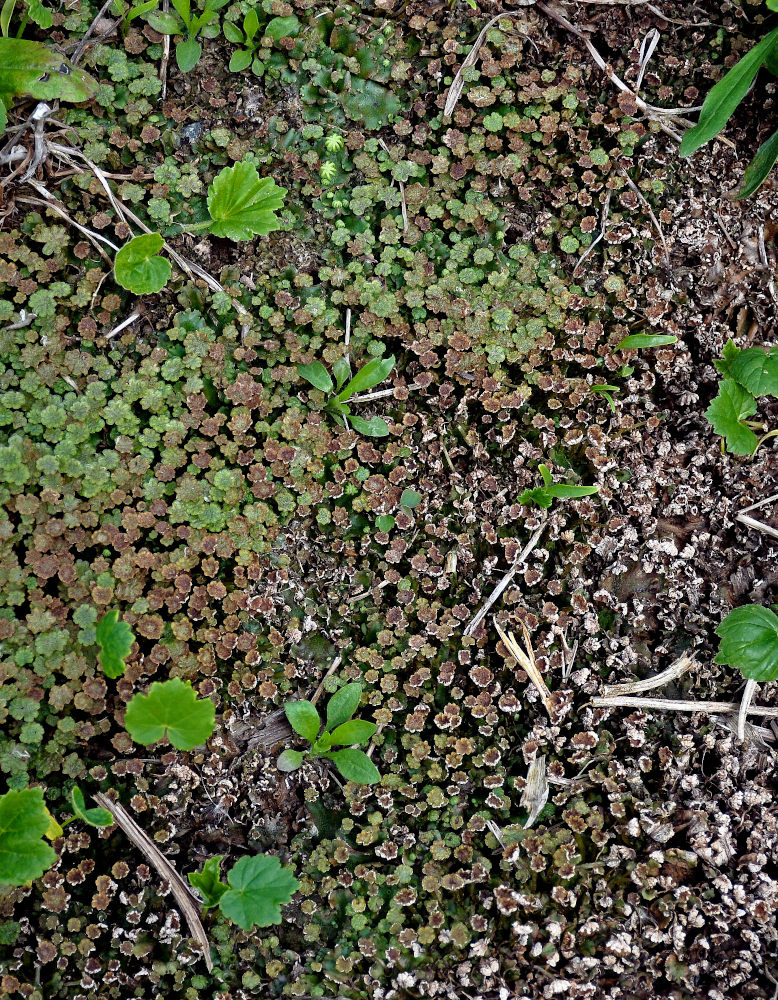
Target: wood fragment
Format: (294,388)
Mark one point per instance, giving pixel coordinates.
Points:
(155,857)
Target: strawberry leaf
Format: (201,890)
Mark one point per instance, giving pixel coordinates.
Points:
(726,414)
(171,711)
(24,822)
(258,887)
(757,371)
(115,640)
(749,641)
(243,205)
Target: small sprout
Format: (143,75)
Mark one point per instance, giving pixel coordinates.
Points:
(138,268)
(115,640)
(605,391)
(257,888)
(333,142)
(542,496)
(327,171)
(94,817)
(340,730)
(171,711)
(369,375)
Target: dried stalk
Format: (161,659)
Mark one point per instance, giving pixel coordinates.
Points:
(748,695)
(526,661)
(671,673)
(155,857)
(535,794)
(667,705)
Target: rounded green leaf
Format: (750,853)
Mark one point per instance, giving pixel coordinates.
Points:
(749,641)
(172,711)
(188,54)
(282,27)
(342,705)
(728,411)
(166,22)
(356,766)
(757,370)
(95,816)
(137,266)
(290,760)
(232,33)
(115,640)
(353,732)
(24,822)
(638,341)
(241,204)
(258,887)
(375,427)
(317,375)
(240,60)
(303,718)
(410,498)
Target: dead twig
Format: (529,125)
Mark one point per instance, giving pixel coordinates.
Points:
(601,235)
(526,661)
(748,694)
(667,705)
(333,667)
(535,793)
(671,673)
(155,857)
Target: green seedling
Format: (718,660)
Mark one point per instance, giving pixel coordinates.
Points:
(339,730)
(241,204)
(184,22)
(128,12)
(34,11)
(723,99)
(749,641)
(344,388)
(250,39)
(255,891)
(31,69)
(138,266)
(543,496)
(115,640)
(748,375)
(606,391)
(640,341)
(170,711)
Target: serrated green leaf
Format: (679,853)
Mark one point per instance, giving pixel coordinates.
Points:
(290,760)
(410,498)
(42,16)
(188,54)
(538,497)
(304,719)
(115,640)
(342,705)
(375,427)
(282,27)
(725,96)
(240,60)
(241,204)
(208,883)
(258,887)
(749,641)
(639,341)
(94,816)
(759,168)
(172,711)
(137,266)
(24,822)
(373,373)
(354,732)
(756,370)
(356,766)
(728,355)
(317,375)
(726,413)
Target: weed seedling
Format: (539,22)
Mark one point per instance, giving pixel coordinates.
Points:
(184,22)
(542,496)
(241,204)
(339,730)
(256,888)
(749,641)
(748,375)
(344,387)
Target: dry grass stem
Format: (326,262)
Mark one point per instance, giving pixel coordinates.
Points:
(671,673)
(526,661)
(535,794)
(668,705)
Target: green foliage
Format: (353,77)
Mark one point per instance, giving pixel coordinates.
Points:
(170,711)
(241,204)
(333,142)
(749,374)
(31,69)
(749,641)
(24,822)
(638,341)
(115,640)
(370,375)
(185,22)
(340,730)
(257,888)
(137,266)
(94,816)
(543,496)
(410,498)
(720,105)
(251,40)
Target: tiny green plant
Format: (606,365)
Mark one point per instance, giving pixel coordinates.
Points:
(749,642)
(115,639)
(93,817)
(339,730)
(250,39)
(33,11)
(344,388)
(748,375)
(543,496)
(191,26)
(241,204)
(170,711)
(722,101)
(128,11)
(606,391)
(138,266)
(256,889)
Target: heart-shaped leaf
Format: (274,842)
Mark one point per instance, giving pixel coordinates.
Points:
(257,888)
(172,711)
(749,641)
(137,266)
